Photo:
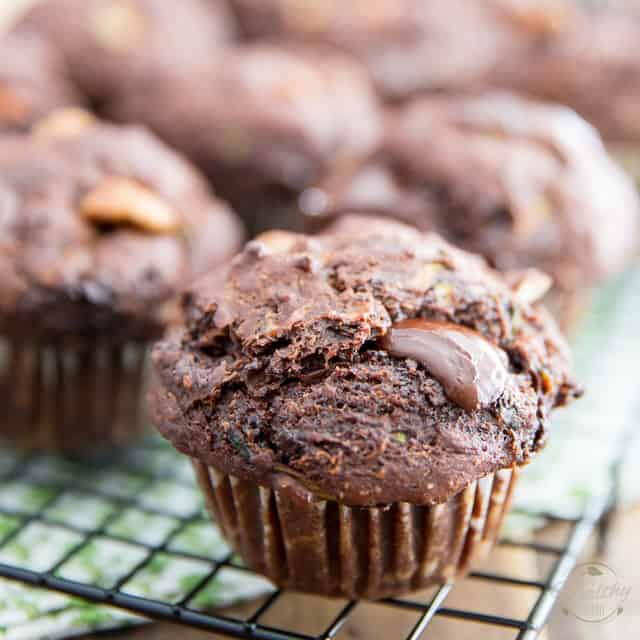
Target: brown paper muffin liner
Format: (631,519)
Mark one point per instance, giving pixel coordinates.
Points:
(72,394)
(319,546)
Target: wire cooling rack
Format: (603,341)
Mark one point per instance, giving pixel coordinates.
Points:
(140,482)
(44,499)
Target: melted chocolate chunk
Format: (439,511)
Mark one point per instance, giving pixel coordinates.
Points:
(472,371)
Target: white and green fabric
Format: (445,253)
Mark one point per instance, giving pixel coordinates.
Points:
(136,505)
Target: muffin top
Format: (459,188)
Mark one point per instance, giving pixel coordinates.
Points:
(526,184)
(112,45)
(99,224)
(263,114)
(591,64)
(374,363)
(407,45)
(33,81)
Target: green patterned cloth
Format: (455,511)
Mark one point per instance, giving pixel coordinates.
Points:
(576,465)
(587,438)
(133,505)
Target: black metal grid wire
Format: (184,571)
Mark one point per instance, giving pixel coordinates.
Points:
(564,557)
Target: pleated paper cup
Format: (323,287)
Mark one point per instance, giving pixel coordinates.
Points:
(307,543)
(71,394)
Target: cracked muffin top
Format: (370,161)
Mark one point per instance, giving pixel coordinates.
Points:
(373,364)
(99,225)
(33,82)
(524,183)
(112,45)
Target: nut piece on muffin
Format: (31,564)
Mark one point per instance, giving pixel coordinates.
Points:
(263,122)
(33,82)
(407,45)
(100,226)
(357,404)
(526,184)
(112,45)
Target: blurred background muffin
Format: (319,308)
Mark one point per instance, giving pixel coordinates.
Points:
(591,63)
(33,81)
(100,226)
(111,45)
(263,122)
(582,54)
(407,46)
(267,97)
(524,183)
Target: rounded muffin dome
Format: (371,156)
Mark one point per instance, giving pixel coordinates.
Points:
(297,362)
(100,225)
(296,110)
(523,183)
(111,46)
(407,46)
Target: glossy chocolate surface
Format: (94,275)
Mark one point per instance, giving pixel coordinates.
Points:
(471,370)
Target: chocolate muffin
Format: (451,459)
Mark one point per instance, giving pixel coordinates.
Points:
(358,405)
(591,64)
(407,46)
(525,184)
(111,45)
(33,82)
(263,122)
(100,225)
